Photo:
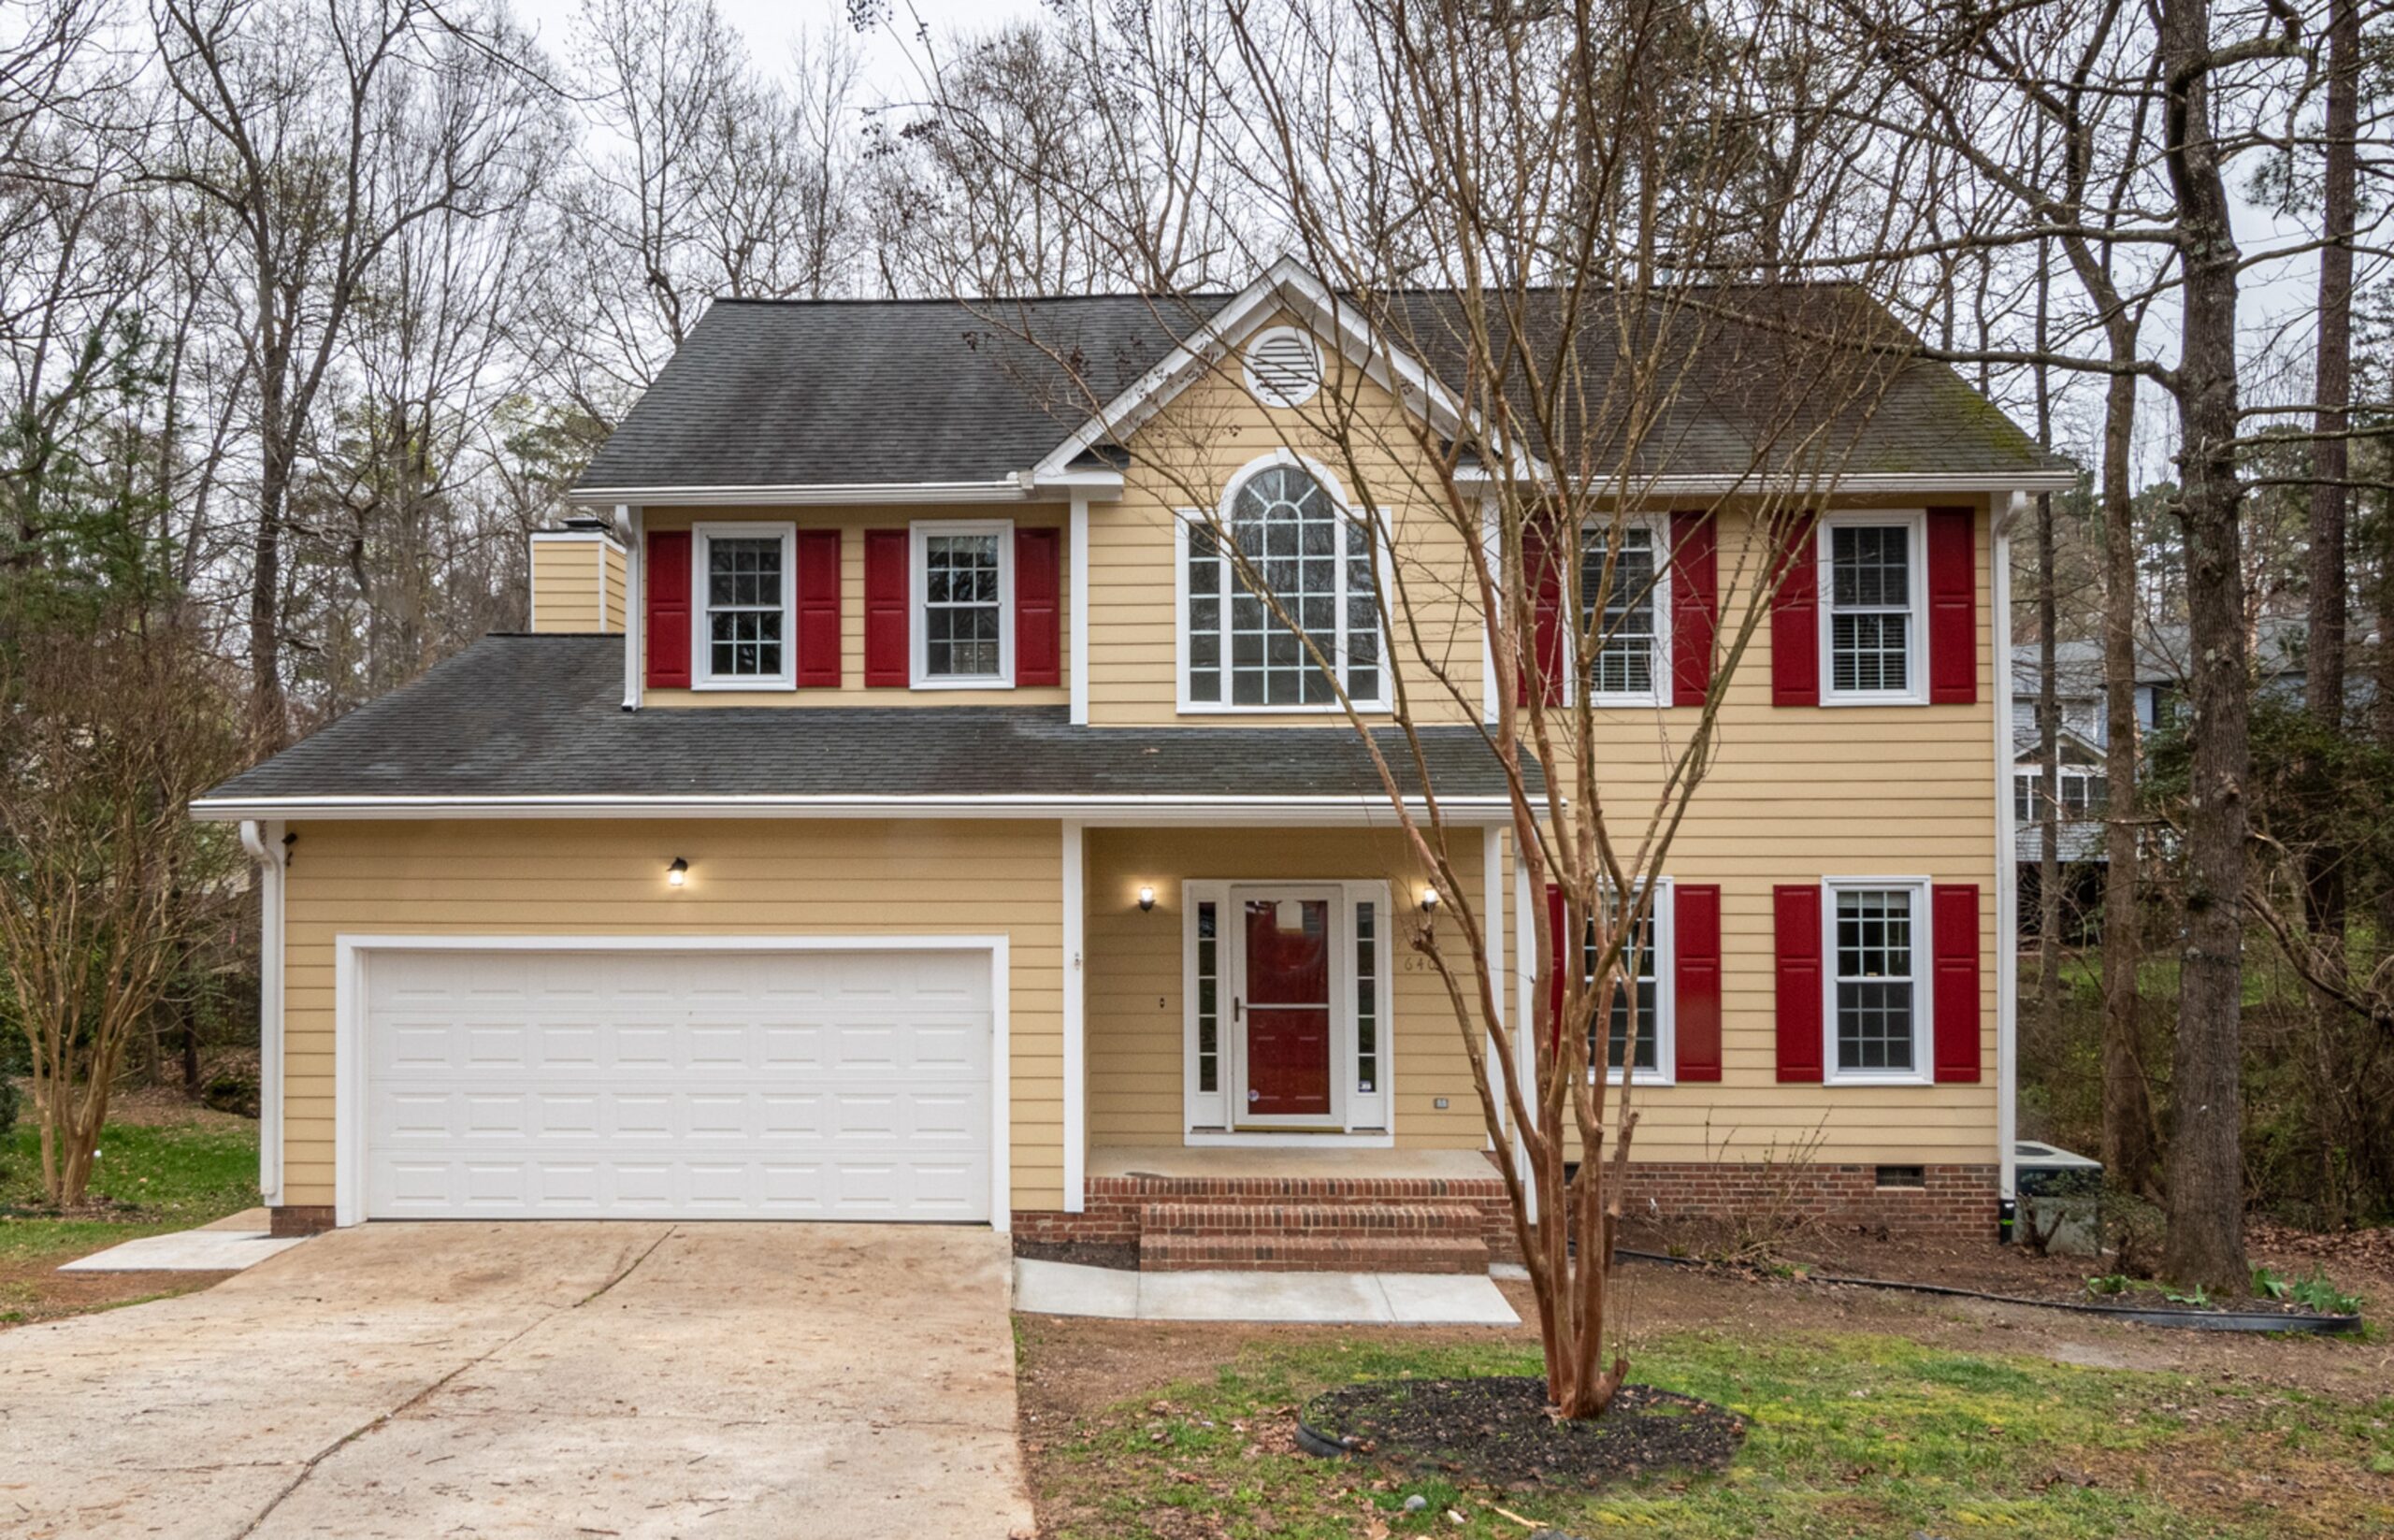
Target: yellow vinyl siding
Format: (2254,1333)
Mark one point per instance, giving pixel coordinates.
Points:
(765,877)
(852,522)
(1134,1001)
(1207,435)
(1799,794)
(570,573)
(616,563)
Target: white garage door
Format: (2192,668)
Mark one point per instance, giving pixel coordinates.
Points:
(666,1084)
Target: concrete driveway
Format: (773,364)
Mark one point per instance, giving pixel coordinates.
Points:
(516,1379)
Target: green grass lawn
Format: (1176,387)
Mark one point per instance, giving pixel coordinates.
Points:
(1852,1435)
(151,1177)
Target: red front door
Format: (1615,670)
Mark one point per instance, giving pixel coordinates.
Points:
(1288,1007)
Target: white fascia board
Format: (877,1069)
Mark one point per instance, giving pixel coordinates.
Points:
(1761,484)
(1287,284)
(1108,810)
(1012,489)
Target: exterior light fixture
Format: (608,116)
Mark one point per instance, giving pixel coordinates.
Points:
(1429,901)
(1146,900)
(678,874)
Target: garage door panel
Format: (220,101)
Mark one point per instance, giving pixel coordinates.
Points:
(793,1085)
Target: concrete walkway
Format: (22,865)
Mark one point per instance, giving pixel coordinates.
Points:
(234,1244)
(552,1379)
(1364,1298)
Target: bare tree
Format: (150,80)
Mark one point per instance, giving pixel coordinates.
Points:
(322,134)
(1548,234)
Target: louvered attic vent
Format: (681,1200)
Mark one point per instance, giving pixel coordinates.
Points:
(1283,368)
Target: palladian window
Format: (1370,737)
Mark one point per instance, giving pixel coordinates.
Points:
(1258,637)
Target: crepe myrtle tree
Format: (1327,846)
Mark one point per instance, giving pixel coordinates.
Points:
(1577,230)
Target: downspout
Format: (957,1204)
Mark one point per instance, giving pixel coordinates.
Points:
(2007,900)
(627,523)
(263,842)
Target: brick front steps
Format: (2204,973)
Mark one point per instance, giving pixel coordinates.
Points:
(1350,1237)
(1313,1224)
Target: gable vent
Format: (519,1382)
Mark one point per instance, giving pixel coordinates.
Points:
(1283,368)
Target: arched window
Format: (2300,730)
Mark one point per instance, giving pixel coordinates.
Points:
(1310,557)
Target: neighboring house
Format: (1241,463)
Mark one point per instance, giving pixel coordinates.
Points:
(2085,723)
(922,826)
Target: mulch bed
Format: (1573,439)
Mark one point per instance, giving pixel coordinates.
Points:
(1498,1431)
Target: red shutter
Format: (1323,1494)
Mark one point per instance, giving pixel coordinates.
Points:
(1952,608)
(1796,909)
(1954,991)
(1038,609)
(1564,953)
(1795,622)
(1696,979)
(1695,606)
(1542,570)
(886,643)
(665,629)
(819,607)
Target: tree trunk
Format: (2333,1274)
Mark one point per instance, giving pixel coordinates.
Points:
(2128,1142)
(2324,670)
(2206,1239)
(2048,704)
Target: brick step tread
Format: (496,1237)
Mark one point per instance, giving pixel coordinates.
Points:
(1312,1254)
(1300,1219)
(1339,1190)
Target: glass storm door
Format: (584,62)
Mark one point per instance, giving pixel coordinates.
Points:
(1286,949)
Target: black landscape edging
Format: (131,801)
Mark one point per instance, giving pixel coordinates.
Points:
(1319,1446)
(2186,1320)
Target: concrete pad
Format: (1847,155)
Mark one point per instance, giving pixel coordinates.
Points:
(1325,1298)
(202,1250)
(1370,1299)
(1444,1299)
(1065,1289)
(644,1379)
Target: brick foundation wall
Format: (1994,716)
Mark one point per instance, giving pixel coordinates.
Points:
(300,1220)
(1952,1199)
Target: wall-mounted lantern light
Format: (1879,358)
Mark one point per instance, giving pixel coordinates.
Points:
(678,874)
(1146,900)
(1429,901)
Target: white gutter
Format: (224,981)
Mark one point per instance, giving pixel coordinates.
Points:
(2007,900)
(264,844)
(1115,809)
(1756,484)
(1077,676)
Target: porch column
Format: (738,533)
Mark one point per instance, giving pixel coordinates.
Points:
(1076,1098)
(1525,997)
(1491,853)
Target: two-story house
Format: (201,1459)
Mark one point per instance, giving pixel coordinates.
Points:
(898,813)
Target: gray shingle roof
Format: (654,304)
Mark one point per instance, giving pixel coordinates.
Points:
(541,716)
(767,393)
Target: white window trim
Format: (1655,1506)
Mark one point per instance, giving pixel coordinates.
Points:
(1664,1026)
(1924,947)
(702,675)
(2033,779)
(1356,1120)
(918,599)
(1187,519)
(1658,526)
(1915,520)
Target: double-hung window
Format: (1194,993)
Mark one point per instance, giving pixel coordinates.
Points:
(1874,615)
(1302,591)
(1629,660)
(749,587)
(1640,1009)
(963,603)
(1877,946)
(2085,794)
